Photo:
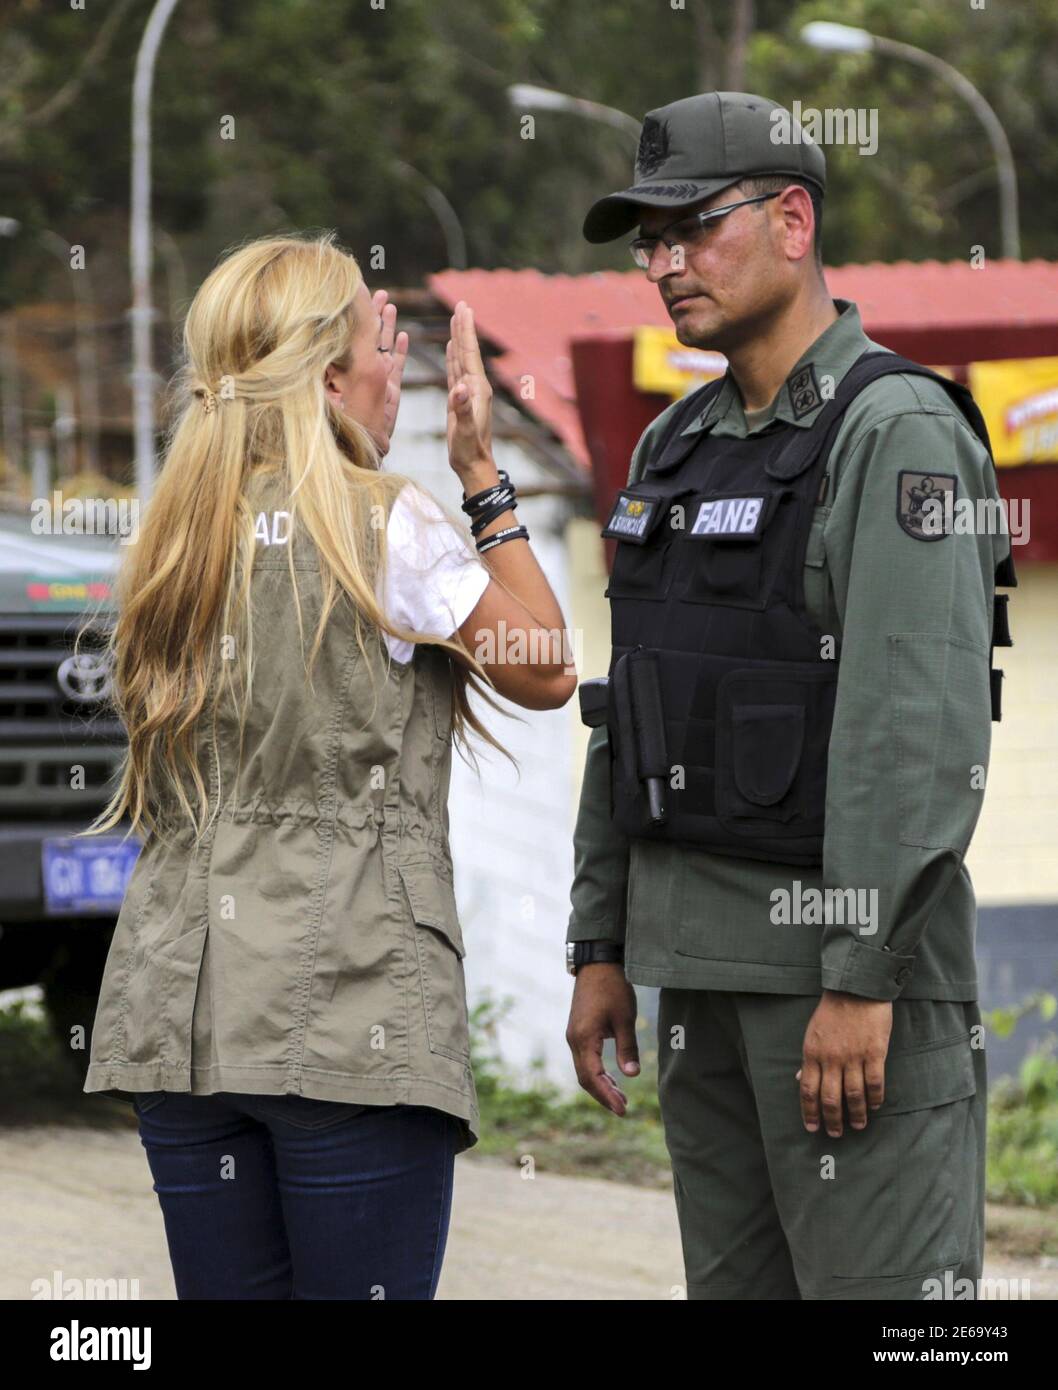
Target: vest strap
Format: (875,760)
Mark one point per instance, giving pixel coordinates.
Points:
(1000,624)
(668,453)
(995,683)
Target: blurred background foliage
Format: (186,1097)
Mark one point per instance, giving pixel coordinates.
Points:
(330,100)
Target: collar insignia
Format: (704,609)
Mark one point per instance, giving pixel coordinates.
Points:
(804,391)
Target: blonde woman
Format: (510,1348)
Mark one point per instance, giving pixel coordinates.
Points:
(284,997)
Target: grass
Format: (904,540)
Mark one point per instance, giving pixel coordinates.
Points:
(569,1134)
(38,1085)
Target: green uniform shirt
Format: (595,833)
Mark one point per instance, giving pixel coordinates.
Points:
(909,747)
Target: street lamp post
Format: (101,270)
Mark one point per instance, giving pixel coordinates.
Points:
(10,403)
(844,38)
(84,350)
(442,209)
(142,311)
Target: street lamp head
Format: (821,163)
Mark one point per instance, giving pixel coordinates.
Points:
(9,226)
(837,38)
(525,94)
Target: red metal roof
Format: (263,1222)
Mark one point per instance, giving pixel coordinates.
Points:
(936,312)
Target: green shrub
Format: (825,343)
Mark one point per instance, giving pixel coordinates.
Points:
(1023,1116)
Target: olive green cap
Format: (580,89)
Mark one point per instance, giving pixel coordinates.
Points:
(695,147)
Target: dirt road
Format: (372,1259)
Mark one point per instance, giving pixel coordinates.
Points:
(79,1201)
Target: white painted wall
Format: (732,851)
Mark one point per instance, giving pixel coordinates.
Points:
(511,831)
(1013,857)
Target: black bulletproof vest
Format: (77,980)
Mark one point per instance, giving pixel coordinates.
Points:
(720,696)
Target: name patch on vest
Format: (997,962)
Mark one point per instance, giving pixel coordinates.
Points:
(631,517)
(733,517)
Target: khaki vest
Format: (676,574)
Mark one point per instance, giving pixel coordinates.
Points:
(310,943)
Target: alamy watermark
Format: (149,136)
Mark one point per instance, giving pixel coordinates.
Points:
(796,906)
(515,646)
(832,126)
(86,516)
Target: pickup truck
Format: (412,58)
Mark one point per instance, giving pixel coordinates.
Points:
(61,746)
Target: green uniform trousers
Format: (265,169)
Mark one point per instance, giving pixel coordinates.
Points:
(768,1210)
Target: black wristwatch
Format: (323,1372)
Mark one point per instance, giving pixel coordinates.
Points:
(580,953)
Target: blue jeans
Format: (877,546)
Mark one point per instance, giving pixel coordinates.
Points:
(287,1197)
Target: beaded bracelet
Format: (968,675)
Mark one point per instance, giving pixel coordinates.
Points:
(511,533)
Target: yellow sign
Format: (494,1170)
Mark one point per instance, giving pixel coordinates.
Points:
(661,363)
(1019,400)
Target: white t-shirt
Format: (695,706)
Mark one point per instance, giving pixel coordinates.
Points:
(434,575)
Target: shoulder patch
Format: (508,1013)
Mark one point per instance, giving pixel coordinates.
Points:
(925,504)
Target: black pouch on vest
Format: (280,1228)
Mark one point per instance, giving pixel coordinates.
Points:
(593,696)
(722,557)
(641,524)
(772,735)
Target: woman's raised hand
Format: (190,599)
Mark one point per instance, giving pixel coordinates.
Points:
(469,396)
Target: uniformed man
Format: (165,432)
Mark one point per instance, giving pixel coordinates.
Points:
(791,749)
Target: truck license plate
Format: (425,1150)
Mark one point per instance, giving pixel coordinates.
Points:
(87,875)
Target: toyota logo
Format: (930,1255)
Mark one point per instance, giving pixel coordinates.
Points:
(85,677)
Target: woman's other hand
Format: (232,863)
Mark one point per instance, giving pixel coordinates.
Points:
(396,346)
(469,397)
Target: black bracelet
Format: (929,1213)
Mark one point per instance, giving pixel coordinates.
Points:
(505,504)
(480,499)
(487,499)
(512,533)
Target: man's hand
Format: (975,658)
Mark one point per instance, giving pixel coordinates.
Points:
(844,1053)
(604,1006)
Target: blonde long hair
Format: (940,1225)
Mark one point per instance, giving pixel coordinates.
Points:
(249,399)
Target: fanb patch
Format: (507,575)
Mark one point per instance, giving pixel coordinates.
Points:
(925,504)
(729,518)
(804,391)
(631,517)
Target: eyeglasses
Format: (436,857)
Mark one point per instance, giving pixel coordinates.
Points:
(687,231)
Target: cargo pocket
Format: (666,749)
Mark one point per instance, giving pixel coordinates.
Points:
(442,691)
(439,953)
(642,525)
(904,1193)
(771,749)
